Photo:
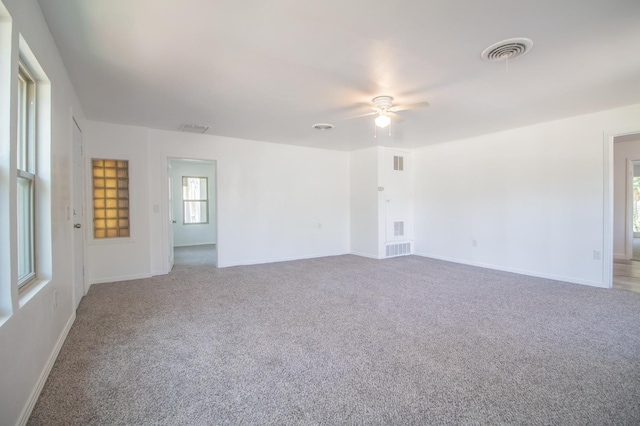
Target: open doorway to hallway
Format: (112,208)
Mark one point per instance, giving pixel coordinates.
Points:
(192,211)
(626,212)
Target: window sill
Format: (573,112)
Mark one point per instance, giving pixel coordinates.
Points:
(109,241)
(30,290)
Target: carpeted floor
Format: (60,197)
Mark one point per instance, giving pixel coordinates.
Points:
(347,340)
(203,255)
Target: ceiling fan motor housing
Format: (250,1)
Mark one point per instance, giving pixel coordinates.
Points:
(383,102)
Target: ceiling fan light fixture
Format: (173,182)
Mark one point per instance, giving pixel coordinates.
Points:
(382,120)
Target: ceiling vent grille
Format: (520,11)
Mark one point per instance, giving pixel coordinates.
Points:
(323,126)
(194,128)
(507,49)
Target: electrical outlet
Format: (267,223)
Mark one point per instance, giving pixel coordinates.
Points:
(474,243)
(597,255)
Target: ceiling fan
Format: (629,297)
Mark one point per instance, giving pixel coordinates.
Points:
(384,109)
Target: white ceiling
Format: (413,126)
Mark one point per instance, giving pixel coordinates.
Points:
(269,70)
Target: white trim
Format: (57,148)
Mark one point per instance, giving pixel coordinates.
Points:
(370,256)
(35,394)
(515,270)
(628,214)
(120,278)
(607,212)
(620,256)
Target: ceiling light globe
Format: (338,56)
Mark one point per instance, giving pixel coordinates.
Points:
(383,121)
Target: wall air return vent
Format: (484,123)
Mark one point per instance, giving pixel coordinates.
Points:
(194,128)
(398,229)
(400,249)
(398,162)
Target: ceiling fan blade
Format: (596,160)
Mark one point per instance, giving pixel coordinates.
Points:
(361,115)
(409,106)
(395,117)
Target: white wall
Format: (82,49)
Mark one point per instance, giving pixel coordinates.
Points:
(114,259)
(622,151)
(275,202)
(364,202)
(31,329)
(194,234)
(531,197)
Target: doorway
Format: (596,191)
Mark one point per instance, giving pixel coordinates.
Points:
(192,208)
(633,196)
(626,212)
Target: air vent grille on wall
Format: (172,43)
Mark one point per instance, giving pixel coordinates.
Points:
(398,229)
(398,162)
(194,128)
(398,249)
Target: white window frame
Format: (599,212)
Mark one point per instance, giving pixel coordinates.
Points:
(195,200)
(26,166)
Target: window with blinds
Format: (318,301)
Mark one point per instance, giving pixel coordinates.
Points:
(111,198)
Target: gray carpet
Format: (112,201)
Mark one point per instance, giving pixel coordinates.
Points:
(195,255)
(347,340)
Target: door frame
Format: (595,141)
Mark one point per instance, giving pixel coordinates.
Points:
(164,184)
(629,234)
(83,203)
(607,240)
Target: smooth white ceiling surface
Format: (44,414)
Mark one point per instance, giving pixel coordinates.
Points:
(269,70)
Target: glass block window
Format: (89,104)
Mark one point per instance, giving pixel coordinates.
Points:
(195,199)
(111,198)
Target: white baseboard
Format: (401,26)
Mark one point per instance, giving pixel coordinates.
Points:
(26,412)
(366,255)
(119,278)
(620,256)
(517,271)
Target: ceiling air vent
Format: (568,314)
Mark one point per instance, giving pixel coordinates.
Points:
(323,126)
(507,49)
(194,128)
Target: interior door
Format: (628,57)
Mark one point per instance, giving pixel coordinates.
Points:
(171,216)
(78,216)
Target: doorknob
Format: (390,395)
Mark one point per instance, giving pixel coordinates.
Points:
(173,221)
(77,225)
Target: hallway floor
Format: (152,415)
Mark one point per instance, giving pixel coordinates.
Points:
(626,275)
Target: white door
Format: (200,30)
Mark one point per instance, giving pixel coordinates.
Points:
(398,195)
(78,215)
(171,217)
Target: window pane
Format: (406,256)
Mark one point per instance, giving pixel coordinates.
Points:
(25,229)
(194,188)
(22,123)
(195,212)
(26,175)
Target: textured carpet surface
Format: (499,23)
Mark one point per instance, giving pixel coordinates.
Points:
(347,340)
